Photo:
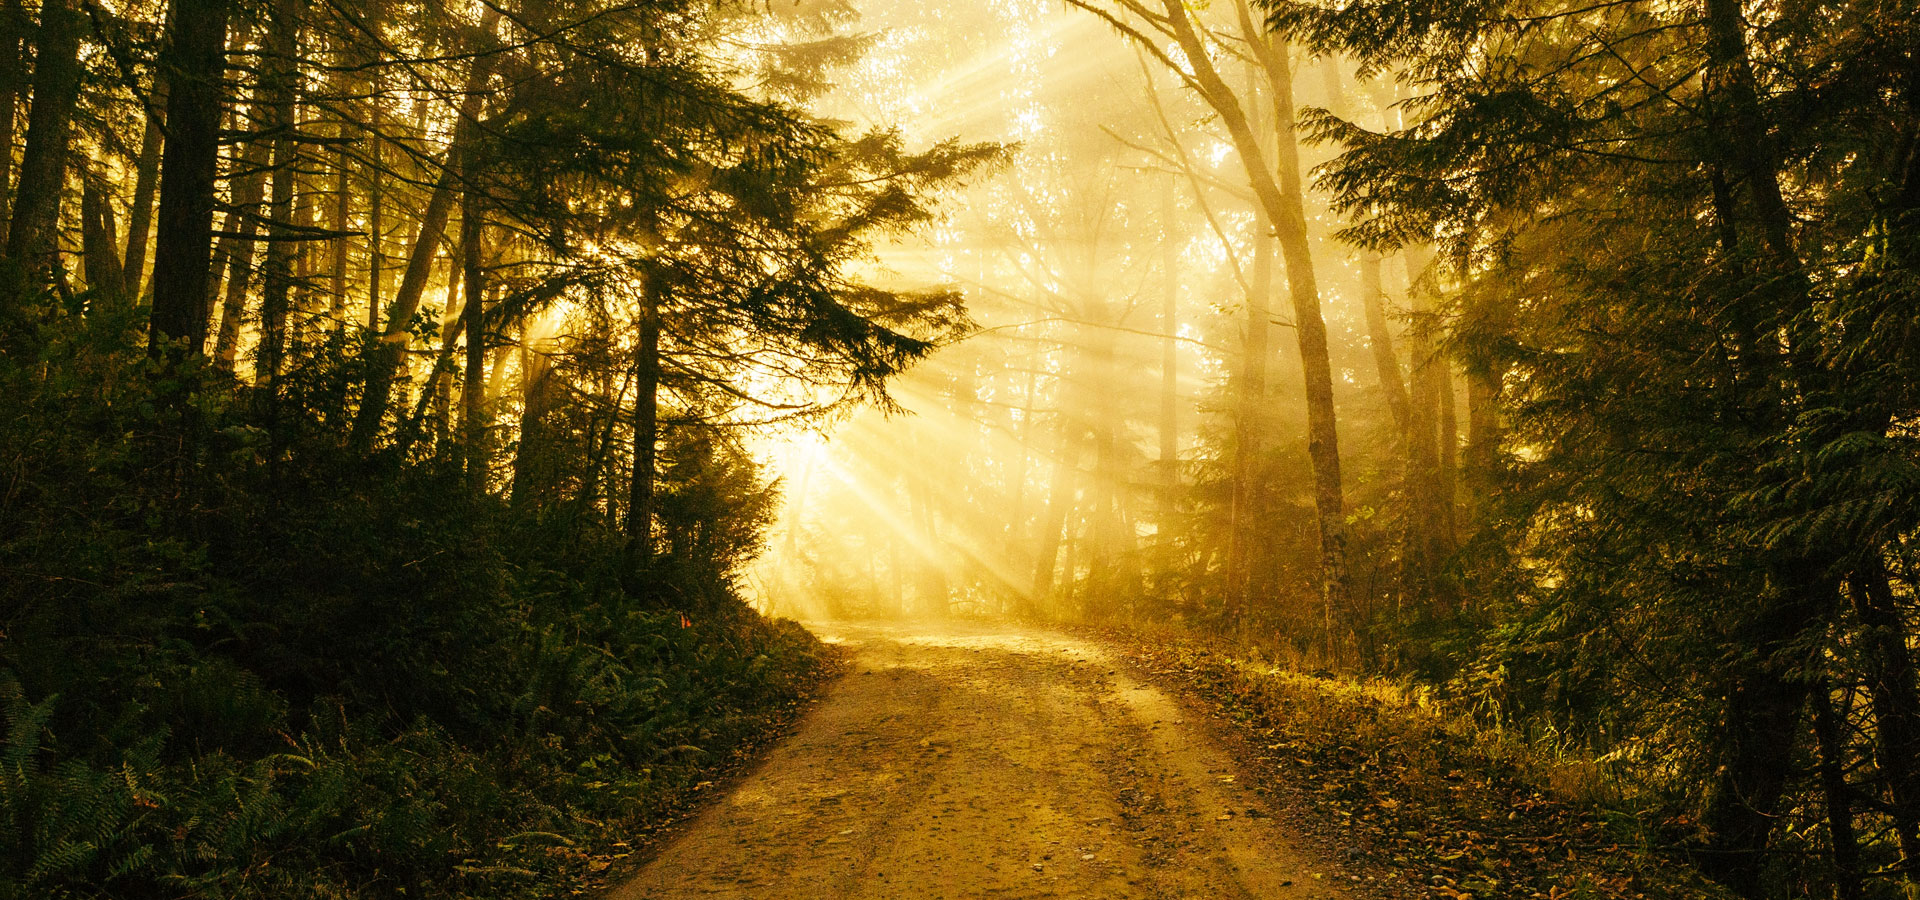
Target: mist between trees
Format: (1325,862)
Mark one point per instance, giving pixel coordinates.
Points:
(388,382)
(1560,356)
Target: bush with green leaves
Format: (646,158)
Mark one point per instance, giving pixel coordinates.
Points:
(236,662)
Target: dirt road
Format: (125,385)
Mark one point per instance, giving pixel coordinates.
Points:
(962,761)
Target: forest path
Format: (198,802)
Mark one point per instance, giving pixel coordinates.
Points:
(978,761)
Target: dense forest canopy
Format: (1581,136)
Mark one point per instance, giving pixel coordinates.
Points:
(396,381)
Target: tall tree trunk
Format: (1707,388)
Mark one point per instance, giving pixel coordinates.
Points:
(342,219)
(1285,201)
(376,210)
(387,354)
(1757,740)
(931,581)
(234,252)
(646,425)
(1393,386)
(1427,532)
(1483,428)
(146,181)
(1449,457)
(1053,521)
(1112,576)
(1843,845)
(1751,148)
(1249,417)
(33,235)
(1169,367)
(1386,365)
(13,68)
(473,396)
(98,233)
(1895,692)
(283,46)
(530,482)
(187,172)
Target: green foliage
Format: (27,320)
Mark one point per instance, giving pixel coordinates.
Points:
(233,666)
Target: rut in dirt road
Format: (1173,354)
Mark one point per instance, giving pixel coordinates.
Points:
(955,761)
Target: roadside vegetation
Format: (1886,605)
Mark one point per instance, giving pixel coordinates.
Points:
(373,504)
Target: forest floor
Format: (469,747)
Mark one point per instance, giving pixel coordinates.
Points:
(972,761)
(975,760)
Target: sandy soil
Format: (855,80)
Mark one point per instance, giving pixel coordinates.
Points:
(973,761)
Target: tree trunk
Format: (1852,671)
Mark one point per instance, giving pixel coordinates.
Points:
(1386,366)
(187,172)
(386,354)
(536,373)
(146,181)
(1112,576)
(234,252)
(1169,368)
(473,397)
(1053,521)
(1250,403)
(376,210)
(1285,203)
(1393,386)
(1427,532)
(1844,846)
(1751,148)
(1449,469)
(13,68)
(100,258)
(33,235)
(931,581)
(646,425)
(342,218)
(1760,723)
(1483,429)
(1891,685)
(283,46)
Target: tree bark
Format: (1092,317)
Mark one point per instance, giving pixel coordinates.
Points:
(100,258)
(1449,433)
(1895,692)
(234,252)
(387,353)
(13,67)
(342,218)
(473,396)
(283,46)
(1169,368)
(646,426)
(1393,386)
(536,372)
(376,209)
(1428,537)
(1751,149)
(1483,430)
(1250,402)
(1843,844)
(146,181)
(1285,202)
(33,235)
(1386,366)
(187,172)
(1766,696)
(1053,520)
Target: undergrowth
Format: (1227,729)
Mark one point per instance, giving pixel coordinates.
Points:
(238,662)
(1430,801)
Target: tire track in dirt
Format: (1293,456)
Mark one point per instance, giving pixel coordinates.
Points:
(978,761)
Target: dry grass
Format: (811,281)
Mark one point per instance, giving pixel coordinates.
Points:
(1426,800)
